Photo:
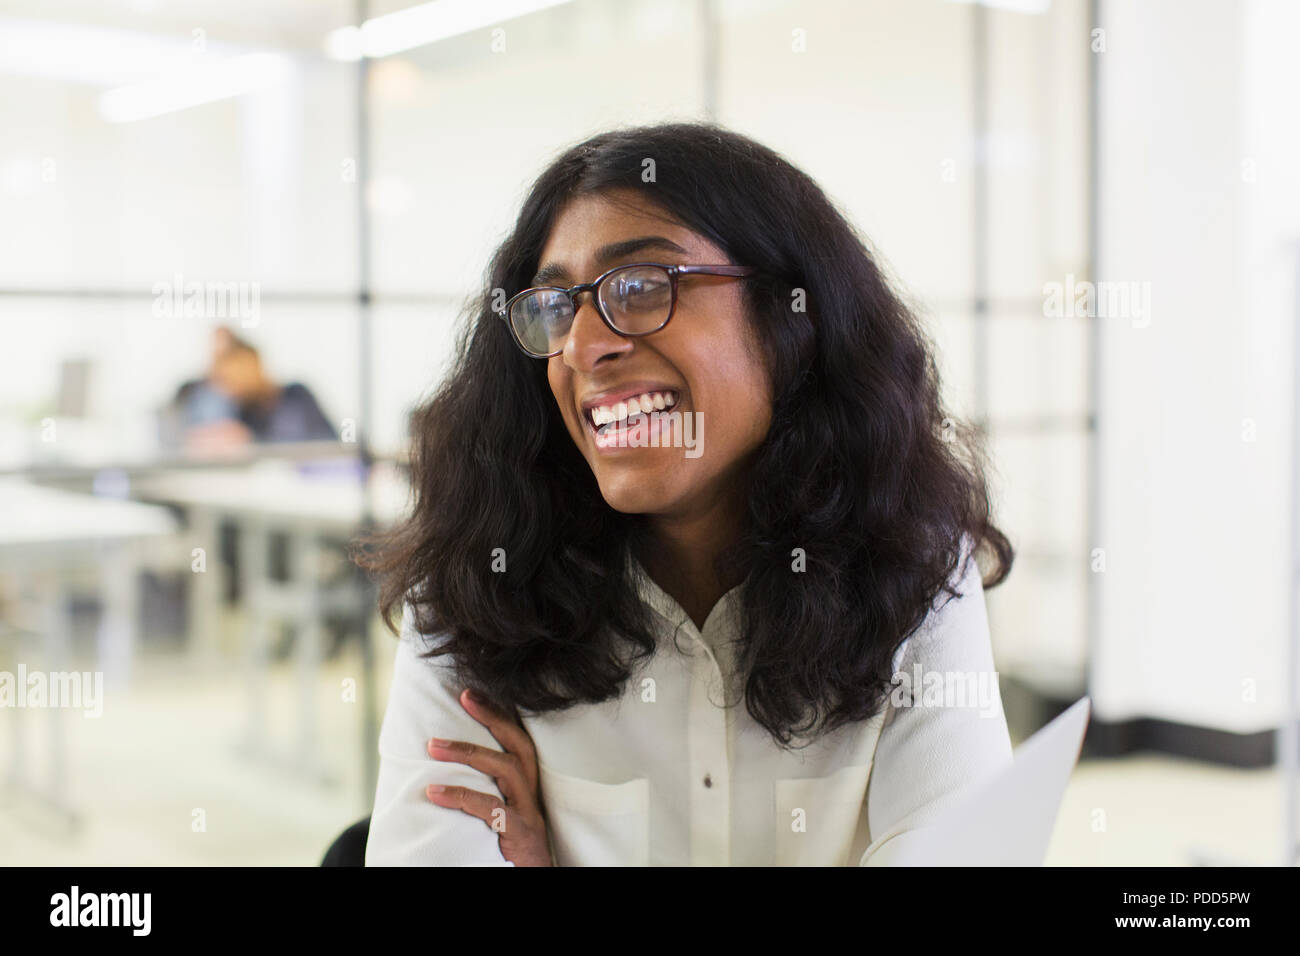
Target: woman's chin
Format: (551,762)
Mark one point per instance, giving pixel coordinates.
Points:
(634,494)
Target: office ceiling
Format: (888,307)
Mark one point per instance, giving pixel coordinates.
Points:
(285,24)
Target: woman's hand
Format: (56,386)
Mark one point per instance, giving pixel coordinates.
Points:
(519,822)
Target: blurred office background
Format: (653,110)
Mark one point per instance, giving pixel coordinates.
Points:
(335,212)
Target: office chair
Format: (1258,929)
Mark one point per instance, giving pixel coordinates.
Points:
(349,848)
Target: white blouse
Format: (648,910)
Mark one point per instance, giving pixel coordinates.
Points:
(664,776)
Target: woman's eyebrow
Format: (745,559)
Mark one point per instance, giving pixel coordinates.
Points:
(554,272)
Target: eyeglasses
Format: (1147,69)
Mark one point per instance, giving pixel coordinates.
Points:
(632,300)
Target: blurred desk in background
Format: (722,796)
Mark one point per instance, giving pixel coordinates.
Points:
(49,539)
(311,504)
(88,448)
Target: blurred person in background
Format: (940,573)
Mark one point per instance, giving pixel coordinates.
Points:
(198,402)
(234,405)
(238,403)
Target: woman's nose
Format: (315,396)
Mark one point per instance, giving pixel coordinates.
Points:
(590,339)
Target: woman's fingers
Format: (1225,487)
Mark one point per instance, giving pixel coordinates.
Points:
(509,734)
(505,768)
(482,805)
(518,819)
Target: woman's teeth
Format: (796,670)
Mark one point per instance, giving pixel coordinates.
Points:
(648,402)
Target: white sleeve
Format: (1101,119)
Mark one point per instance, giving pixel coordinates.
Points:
(406,829)
(927,756)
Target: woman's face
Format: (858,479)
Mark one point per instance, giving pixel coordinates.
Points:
(704,365)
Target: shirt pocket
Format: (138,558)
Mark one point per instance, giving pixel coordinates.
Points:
(817,817)
(596,824)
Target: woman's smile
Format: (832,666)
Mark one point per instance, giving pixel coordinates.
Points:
(632,417)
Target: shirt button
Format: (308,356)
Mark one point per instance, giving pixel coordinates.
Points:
(708,781)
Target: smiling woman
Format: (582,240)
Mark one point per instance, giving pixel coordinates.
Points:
(683,659)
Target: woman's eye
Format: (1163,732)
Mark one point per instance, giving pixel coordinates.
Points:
(555,318)
(641,292)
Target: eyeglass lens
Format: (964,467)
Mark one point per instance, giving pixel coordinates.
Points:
(637,301)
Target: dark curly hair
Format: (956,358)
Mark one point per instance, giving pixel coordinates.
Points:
(861,468)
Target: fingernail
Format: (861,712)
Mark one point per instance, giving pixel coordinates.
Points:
(436,788)
(439,742)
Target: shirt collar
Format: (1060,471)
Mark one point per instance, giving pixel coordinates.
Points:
(722,618)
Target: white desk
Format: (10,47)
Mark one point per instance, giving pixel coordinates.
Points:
(46,536)
(307,503)
(332,497)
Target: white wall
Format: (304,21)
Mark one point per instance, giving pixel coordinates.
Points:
(1194,597)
